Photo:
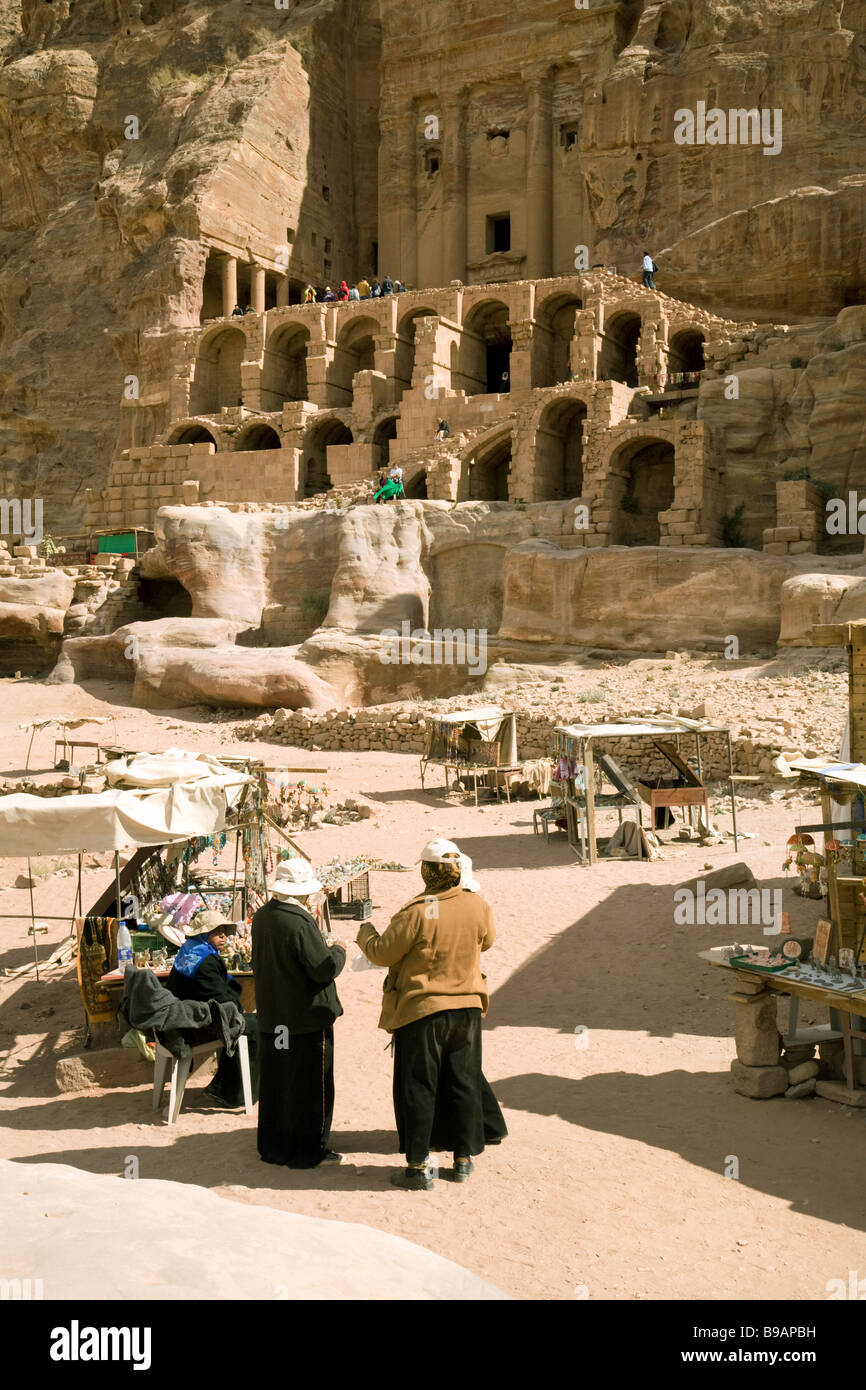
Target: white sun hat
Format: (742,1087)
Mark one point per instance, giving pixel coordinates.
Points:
(295,879)
(467,880)
(439,851)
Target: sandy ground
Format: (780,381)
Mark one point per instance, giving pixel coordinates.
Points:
(612,1182)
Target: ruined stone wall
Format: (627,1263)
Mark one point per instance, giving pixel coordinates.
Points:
(403,728)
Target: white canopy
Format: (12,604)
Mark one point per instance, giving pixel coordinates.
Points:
(119,819)
(486,718)
(168,768)
(639,727)
(853,774)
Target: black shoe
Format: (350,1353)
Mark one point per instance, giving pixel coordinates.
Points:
(215,1099)
(412,1180)
(462,1169)
(330,1156)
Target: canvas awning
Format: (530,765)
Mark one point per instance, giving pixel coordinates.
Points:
(168,768)
(119,818)
(846,774)
(486,719)
(638,728)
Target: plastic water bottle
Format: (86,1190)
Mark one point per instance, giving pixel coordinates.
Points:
(124,946)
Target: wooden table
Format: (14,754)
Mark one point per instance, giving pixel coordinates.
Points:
(477,770)
(851,1002)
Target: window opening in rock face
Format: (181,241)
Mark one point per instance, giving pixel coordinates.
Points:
(499,233)
(569,134)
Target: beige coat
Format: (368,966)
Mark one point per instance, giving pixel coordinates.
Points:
(433,946)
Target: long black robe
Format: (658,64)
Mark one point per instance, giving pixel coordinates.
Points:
(298,1004)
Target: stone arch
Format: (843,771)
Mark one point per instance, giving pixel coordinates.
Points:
(485,471)
(685,357)
(260,434)
(385,431)
(217,376)
(641,486)
(191,432)
(618,358)
(552,337)
(318,438)
(404,353)
(483,359)
(355,352)
(559,443)
(284,365)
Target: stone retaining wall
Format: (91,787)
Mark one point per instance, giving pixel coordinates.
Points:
(403,729)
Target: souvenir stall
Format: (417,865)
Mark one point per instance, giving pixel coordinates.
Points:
(172,810)
(582,771)
(824,966)
(474,744)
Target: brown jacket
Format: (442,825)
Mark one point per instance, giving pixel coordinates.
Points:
(433,946)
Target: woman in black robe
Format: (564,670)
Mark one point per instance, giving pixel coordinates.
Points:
(199,972)
(295,969)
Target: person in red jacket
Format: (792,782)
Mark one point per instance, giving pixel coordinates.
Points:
(343,292)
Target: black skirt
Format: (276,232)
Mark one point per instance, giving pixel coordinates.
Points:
(296,1098)
(441,1099)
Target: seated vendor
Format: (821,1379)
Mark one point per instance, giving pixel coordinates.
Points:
(199,972)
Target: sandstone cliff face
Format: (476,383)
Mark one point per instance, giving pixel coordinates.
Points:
(505,578)
(745,233)
(105,225)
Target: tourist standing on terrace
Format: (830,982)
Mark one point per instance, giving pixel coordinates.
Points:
(649,270)
(363,288)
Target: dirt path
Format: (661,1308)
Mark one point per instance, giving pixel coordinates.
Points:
(612,1180)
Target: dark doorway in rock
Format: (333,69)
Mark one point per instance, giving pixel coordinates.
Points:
(618,359)
(161,598)
(685,358)
(315,475)
(644,471)
(417,489)
(489,473)
(385,431)
(559,451)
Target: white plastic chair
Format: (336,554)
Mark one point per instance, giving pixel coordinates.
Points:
(183,1067)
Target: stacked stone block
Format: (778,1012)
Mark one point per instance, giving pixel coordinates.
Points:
(800,516)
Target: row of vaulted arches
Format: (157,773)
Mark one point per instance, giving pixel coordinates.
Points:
(642,470)
(479,363)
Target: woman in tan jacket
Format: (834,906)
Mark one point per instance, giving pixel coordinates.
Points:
(435,996)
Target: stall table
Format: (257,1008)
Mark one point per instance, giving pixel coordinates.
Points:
(847,1003)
